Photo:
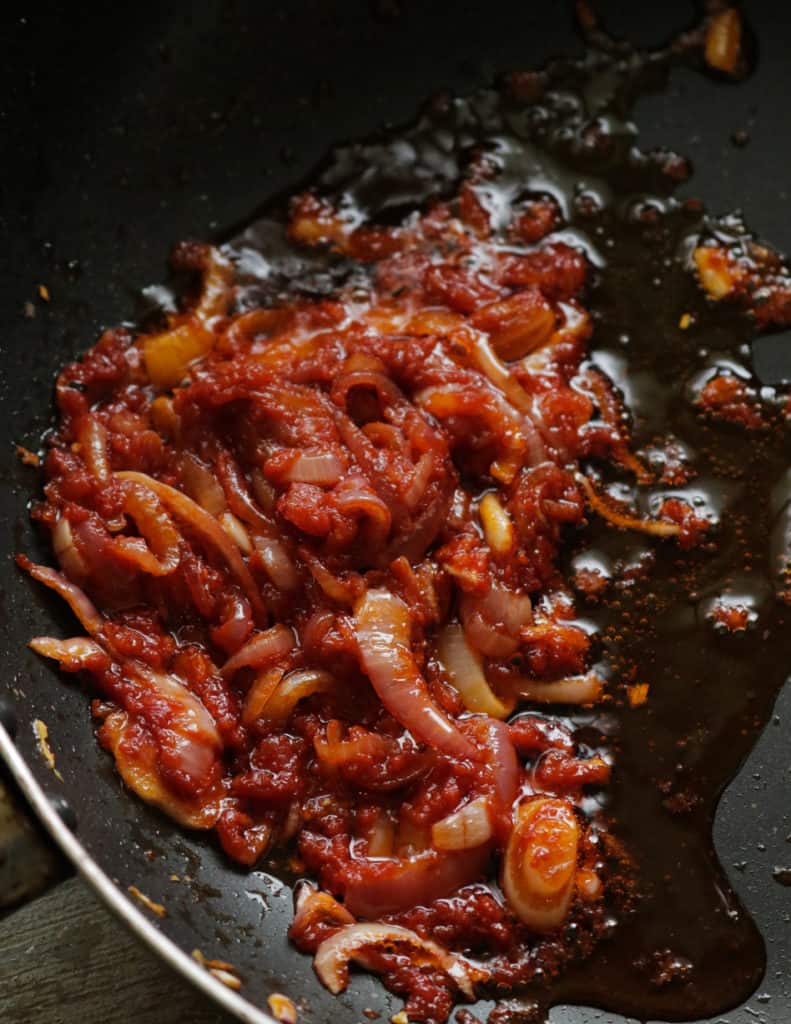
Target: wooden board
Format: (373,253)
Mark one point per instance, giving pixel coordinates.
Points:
(64,959)
(29,862)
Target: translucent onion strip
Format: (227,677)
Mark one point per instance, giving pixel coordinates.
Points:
(79,602)
(497,526)
(202,485)
(323,469)
(92,437)
(585,689)
(332,958)
(158,550)
(263,648)
(277,562)
(464,667)
(235,529)
(70,559)
(207,527)
(464,829)
(383,628)
(296,686)
(73,655)
(257,697)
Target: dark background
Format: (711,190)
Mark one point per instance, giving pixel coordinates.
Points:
(124,129)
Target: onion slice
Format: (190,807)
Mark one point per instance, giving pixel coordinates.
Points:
(70,559)
(378,887)
(76,654)
(79,602)
(585,689)
(540,863)
(382,627)
(207,527)
(296,686)
(332,958)
(464,666)
(321,468)
(156,551)
(464,829)
(262,649)
(505,765)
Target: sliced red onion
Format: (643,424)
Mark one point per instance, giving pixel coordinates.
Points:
(293,688)
(505,765)
(324,469)
(93,441)
(378,887)
(332,958)
(202,485)
(262,649)
(157,551)
(70,559)
(205,526)
(492,622)
(77,600)
(585,689)
(464,829)
(277,562)
(235,529)
(382,628)
(464,667)
(76,654)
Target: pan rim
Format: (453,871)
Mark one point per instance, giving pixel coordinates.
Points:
(116,900)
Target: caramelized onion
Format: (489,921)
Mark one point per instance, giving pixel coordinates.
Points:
(71,561)
(333,751)
(497,526)
(382,627)
(469,826)
(464,666)
(313,907)
(585,689)
(293,688)
(73,655)
(378,887)
(79,602)
(492,622)
(541,862)
(263,648)
(238,496)
(157,551)
(137,763)
(362,502)
(332,958)
(505,765)
(236,531)
(323,468)
(206,527)
(93,441)
(381,839)
(257,697)
(278,564)
(202,485)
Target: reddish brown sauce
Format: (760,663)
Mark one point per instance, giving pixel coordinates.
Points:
(325,401)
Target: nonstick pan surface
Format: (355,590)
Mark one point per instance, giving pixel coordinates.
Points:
(126,129)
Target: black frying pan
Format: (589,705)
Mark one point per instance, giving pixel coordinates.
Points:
(124,131)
